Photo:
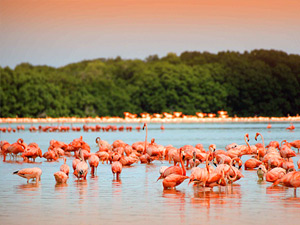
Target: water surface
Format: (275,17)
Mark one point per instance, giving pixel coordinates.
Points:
(137,198)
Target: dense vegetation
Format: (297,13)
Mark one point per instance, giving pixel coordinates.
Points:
(260,82)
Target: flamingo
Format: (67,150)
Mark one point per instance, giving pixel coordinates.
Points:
(275,174)
(194,162)
(145,158)
(286,152)
(252,163)
(260,151)
(288,166)
(30,173)
(82,167)
(296,144)
(172,180)
(174,169)
(15,148)
(94,162)
(291,179)
(291,127)
(32,151)
(65,168)
(116,168)
(247,149)
(74,163)
(50,155)
(61,177)
(201,175)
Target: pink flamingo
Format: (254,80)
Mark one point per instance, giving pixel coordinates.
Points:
(15,148)
(174,169)
(74,163)
(65,168)
(61,177)
(291,179)
(286,152)
(291,127)
(296,144)
(116,168)
(82,167)
(30,173)
(172,180)
(94,162)
(252,163)
(261,152)
(275,174)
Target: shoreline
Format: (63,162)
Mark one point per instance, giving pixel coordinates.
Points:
(190,119)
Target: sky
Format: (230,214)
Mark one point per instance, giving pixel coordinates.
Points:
(59,32)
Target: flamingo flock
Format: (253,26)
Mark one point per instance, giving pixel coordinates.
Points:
(223,167)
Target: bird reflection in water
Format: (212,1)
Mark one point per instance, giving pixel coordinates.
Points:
(29,186)
(173,193)
(29,189)
(60,186)
(116,187)
(221,196)
(177,197)
(82,188)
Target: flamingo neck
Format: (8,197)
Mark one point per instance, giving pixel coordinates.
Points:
(263,142)
(234,171)
(208,154)
(247,143)
(181,162)
(145,125)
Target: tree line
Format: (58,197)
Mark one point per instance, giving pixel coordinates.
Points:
(260,82)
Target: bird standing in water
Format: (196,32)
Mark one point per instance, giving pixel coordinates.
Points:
(30,173)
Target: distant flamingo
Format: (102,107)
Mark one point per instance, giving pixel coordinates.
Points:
(291,127)
(30,173)
(269,126)
(65,168)
(82,167)
(60,177)
(116,168)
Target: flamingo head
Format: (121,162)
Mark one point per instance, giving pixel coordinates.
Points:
(247,136)
(256,135)
(145,125)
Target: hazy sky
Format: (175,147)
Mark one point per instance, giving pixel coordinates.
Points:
(58,32)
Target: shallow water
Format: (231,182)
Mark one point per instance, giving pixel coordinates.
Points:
(137,198)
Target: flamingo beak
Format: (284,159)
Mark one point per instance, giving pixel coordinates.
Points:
(160,177)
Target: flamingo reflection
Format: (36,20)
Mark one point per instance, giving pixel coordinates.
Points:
(82,189)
